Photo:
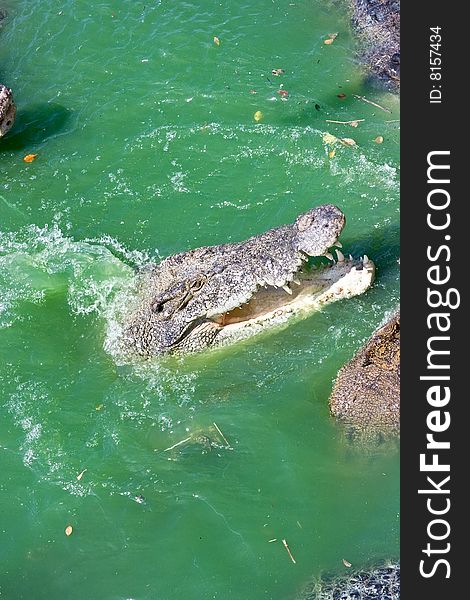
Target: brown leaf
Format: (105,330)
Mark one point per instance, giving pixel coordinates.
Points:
(283,93)
(346,563)
(354,123)
(29,158)
(331,153)
(379,139)
(328,138)
(68,530)
(277,72)
(331,38)
(348,141)
(341,96)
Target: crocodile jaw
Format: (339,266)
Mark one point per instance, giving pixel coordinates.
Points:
(274,306)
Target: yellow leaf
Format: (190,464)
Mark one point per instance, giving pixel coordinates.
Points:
(99,407)
(379,139)
(348,142)
(331,153)
(331,38)
(29,158)
(68,530)
(258,116)
(216,41)
(329,139)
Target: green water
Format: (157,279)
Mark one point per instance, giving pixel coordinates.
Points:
(147,145)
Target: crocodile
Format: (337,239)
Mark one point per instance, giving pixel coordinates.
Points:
(7,110)
(366,394)
(376,24)
(215,295)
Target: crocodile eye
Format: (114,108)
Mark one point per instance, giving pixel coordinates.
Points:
(157,307)
(326,225)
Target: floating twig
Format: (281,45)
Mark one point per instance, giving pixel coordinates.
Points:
(80,475)
(273,540)
(373,103)
(177,444)
(221,434)
(393,121)
(345,122)
(288,551)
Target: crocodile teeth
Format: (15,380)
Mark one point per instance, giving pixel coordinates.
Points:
(287,289)
(350,257)
(365,260)
(338,244)
(296,281)
(329,255)
(340,255)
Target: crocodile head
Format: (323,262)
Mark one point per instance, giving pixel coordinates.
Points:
(218,294)
(7,110)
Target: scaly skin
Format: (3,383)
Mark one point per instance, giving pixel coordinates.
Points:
(7,110)
(185,297)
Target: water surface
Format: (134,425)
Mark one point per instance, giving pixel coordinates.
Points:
(147,145)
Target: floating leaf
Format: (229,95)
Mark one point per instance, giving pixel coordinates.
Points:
(68,530)
(379,139)
(99,407)
(354,123)
(277,72)
(331,38)
(29,158)
(341,96)
(346,563)
(252,92)
(216,41)
(258,116)
(283,93)
(331,153)
(329,139)
(348,142)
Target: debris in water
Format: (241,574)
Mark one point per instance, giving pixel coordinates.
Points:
(341,96)
(68,530)
(29,158)
(273,540)
(258,116)
(178,444)
(373,103)
(329,139)
(216,41)
(277,72)
(354,123)
(331,153)
(347,142)
(379,139)
(221,434)
(331,38)
(80,475)
(346,563)
(288,551)
(283,93)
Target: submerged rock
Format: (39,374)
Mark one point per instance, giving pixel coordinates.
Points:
(7,110)
(381,582)
(377,27)
(366,393)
